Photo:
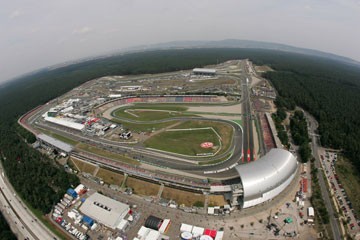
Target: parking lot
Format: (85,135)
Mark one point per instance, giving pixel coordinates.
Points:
(263,222)
(344,205)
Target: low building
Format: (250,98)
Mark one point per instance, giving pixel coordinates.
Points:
(65,123)
(204,71)
(54,143)
(125,135)
(105,210)
(71,192)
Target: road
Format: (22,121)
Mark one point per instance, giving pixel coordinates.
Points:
(313,125)
(27,223)
(12,219)
(248,141)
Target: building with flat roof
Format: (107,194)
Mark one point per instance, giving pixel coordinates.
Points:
(204,71)
(105,210)
(54,143)
(65,123)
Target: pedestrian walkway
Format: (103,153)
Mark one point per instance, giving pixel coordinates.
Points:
(161,189)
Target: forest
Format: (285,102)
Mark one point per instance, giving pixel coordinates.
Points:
(299,133)
(5,232)
(327,89)
(278,118)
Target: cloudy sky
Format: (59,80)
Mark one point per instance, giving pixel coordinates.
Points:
(39,33)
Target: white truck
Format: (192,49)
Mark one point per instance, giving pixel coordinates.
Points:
(311,215)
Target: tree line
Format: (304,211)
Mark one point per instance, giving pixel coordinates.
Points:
(300,135)
(279,116)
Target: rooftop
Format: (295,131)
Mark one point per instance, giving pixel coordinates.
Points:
(204,70)
(105,210)
(56,143)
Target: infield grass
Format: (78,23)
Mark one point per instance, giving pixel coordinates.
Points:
(184,142)
(225,131)
(188,142)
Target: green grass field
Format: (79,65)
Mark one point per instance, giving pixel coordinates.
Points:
(188,142)
(184,142)
(224,130)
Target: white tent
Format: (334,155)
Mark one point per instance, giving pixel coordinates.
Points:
(197,231)
(211,210)
(186,227)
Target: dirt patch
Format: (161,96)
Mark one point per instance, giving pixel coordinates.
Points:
(255,81)
(110,177)
(263,68)
(142,188)
(217,200)
(182,197)
(83,166)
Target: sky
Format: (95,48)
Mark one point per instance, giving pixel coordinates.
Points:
(40,33)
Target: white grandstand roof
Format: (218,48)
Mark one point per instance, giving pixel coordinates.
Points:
(204,70)
(65,123)
(104,210)
(266,177)
(56,143)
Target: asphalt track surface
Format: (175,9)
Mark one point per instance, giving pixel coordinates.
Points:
(167,160)
(248,141)
(242,143)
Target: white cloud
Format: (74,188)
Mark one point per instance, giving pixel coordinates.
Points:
(83,30)
(16,13)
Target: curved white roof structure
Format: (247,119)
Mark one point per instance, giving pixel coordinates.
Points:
(266,177)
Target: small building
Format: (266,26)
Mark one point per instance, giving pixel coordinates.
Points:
(204,71)
(125,135)
(80,189)
(72,193)
(211,210)
(153,222)
(164,226)
(88,220)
